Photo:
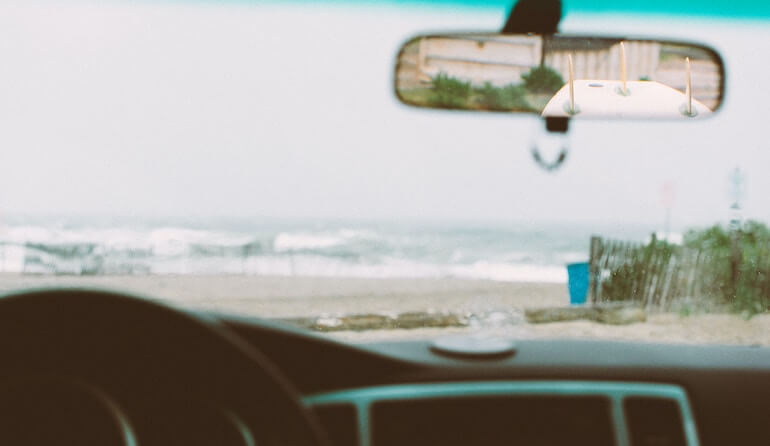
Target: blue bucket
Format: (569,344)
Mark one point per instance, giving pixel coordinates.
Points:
(578,282)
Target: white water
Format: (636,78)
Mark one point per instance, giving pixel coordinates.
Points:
(515,253)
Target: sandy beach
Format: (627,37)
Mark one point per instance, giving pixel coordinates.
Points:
(494,308)
(279,296)
(723,329)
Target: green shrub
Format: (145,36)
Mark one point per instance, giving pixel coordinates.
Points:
(449,92)
(733,271)
(715,270)
(737,272)
(542,80)
(510,97)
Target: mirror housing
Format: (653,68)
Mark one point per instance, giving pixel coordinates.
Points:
(561,76)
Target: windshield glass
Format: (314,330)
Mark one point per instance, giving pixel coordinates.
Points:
(252,159)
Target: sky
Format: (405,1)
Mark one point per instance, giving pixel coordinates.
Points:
(172,109)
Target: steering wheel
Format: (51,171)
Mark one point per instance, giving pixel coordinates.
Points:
(100,368)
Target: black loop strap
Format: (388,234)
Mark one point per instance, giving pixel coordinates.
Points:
(553,165)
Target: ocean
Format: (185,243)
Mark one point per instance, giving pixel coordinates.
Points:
(512,252)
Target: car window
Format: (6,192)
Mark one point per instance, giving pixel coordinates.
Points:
(252,159)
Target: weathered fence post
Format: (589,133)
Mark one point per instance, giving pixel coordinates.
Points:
(735,261)
(593,268)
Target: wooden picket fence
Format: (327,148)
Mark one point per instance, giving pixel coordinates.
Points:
(654,275)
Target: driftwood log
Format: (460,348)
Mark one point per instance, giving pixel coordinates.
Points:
(361,322)
(613,314)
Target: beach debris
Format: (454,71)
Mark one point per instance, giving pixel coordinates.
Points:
(420,319)
(328,321)
(494,318)
(623,315)
(613,314)
(373,321)
(558,314)
(359,322)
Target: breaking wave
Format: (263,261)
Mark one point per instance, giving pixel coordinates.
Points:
(382,252)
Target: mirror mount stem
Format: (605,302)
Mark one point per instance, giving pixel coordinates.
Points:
(540,17)
(557,124)
(556,134)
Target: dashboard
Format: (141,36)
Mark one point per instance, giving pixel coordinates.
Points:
(87,367)
(548,392)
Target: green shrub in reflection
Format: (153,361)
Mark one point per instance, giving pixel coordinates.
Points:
(542,80)
(446,91)
(509,97)
(449,92)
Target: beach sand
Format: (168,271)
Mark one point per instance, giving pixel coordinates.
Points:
(274,297)
(502,303)
(722,329)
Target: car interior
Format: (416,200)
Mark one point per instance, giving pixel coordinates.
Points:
(99,366)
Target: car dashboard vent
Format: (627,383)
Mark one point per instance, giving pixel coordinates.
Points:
(654,422)
(494,421)
(508,412)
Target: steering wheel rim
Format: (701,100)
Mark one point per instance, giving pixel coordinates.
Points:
(141,353)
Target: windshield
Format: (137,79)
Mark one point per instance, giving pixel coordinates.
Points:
(252,159)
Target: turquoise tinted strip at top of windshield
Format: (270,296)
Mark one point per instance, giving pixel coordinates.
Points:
(709,8)
(713,8)
(718,9)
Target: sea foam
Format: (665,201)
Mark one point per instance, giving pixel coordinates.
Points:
(501,254)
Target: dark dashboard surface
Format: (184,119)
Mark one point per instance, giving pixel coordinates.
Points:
(728,387)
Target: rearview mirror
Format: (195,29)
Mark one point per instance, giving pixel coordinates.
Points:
(561,76)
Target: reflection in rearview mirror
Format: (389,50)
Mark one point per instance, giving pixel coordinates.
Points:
(560,75)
